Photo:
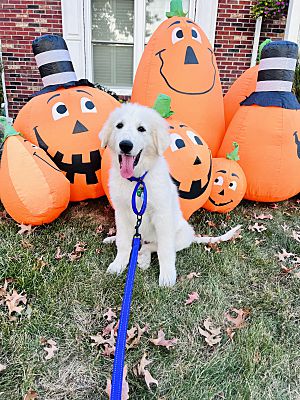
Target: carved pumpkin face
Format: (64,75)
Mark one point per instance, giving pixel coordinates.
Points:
(66,123)
(190,165)
(228,188)
(33,190)
(179,62)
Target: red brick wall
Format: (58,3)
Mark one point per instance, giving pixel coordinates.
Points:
(21,21)
(234,38)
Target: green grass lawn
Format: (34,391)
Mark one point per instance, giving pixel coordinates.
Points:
(67,301)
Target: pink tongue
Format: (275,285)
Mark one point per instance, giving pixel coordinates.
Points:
(127,166)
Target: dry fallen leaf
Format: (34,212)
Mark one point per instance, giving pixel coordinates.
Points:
(59,255)
(212,335)
(125,386)
(194,296)
(79,249)
(230,333)
(211,224)
(193,275)
(112,231)
(135,340)
(30,395)
(106,331)
(284,255)
(109,315)
(12,302)
(141,370)
(50,349)
(25,229)
(285,227)
(161,341)
(263,216)
(2,367)
(100,229)
(238,321)
(296,236)
(256,227)
(40,264)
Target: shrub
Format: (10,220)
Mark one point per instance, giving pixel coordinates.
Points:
(270,9)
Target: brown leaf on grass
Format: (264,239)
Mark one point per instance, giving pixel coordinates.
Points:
(135,341)
(161,341)
(194,296)
(230,333)
(26,244)
(239,320)
(25,229)
(285,227)
(263,216)
(59,255)
(257,357)
(288,270)
(3,214)
(211,224)
(100,229)
(2,367)
(256,227)
(284,255)
(50,348)
(141,370)
(109,315)
(78,251)
(98,340)
(296,236)
(192,275)
(106,331)
(111,231)
(131,334)
(30,395)
(40,264)
(274,206)
(125,386)
(13,301)
(212,335)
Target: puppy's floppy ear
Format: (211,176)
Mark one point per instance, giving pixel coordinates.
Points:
(106,131)
(161,136)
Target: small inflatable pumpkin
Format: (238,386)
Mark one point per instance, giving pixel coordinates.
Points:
(65,118)
(267,128)
(229,183)
(241,89)
(179,61)
(33,190)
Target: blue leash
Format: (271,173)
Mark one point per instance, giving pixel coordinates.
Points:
(117,377)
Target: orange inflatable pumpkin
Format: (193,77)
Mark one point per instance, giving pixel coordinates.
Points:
(189,160)
(33,190)
(239,91)
(229,183)
(179,61)
(65,118)
(267,128)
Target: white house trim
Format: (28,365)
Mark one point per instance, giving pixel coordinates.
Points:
(256,41)
(206,17)
(292,30)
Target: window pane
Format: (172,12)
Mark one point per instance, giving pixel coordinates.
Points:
(113,65)
(156,13)
(113,20)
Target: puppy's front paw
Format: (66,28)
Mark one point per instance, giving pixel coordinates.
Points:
(144,260)
(167,278)
(116,268)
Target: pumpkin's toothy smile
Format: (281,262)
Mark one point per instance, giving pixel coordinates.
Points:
(128,163)
(220,204)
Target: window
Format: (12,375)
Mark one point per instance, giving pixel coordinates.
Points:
(120,30)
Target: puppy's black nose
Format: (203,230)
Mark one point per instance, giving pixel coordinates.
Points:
(126,146)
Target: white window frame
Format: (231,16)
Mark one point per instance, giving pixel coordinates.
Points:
(292,29)
(79,36)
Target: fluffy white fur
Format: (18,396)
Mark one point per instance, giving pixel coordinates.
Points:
(163,228)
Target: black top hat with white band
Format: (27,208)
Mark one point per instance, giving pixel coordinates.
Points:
(275,76)
(54,63)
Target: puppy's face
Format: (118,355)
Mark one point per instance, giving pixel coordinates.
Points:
(136,135)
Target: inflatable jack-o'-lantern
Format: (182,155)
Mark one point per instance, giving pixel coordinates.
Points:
(179,61)
(32,189)
(189,160)
(241,89)
(267,128)
(229,183)
(65,118)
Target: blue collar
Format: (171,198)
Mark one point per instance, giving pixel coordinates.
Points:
(140,179)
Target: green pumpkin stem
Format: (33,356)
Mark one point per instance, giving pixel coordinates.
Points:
(8,130)
(176,9)
(234,155)
(262,45)
(163,105)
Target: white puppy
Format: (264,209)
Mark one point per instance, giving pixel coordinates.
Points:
(137,137)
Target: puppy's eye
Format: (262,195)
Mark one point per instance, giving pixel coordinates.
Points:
(120,125)
(141,129)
